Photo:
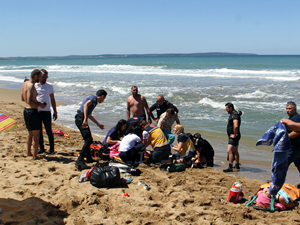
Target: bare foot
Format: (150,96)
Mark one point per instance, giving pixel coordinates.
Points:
(36,158)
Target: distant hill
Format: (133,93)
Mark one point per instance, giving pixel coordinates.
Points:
(123,56)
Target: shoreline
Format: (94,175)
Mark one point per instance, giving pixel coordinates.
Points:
(46,191)
(252,167)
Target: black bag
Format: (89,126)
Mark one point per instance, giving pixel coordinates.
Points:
(172,167)
(107,176)
(99,150)
(125,168)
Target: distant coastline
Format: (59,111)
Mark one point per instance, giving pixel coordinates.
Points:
(125,56)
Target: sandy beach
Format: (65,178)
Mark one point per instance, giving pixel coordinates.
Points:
(47,191)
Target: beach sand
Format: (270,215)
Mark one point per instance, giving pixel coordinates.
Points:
(47,191)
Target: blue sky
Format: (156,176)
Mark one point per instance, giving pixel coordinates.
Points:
(92,27)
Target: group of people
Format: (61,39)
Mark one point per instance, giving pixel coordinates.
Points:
(37,95)
(132,136)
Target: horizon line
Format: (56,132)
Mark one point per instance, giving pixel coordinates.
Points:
(145,55)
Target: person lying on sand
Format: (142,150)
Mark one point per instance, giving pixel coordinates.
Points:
(281,201)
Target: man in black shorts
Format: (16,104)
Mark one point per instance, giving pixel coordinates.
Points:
(31,115)
(234,135)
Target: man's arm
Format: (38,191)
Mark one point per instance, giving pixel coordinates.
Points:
(177,121)
(198,151)
(290,125)
(293,134)
(31,97)
(153,107)
(235,129)
(101,126)
(146,142)
(53,103)
(161,121)
(145,104)
(160,125)
(128,109)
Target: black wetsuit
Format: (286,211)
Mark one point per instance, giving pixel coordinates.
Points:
(294,155)
(160,109)
(234,116)
(207,150)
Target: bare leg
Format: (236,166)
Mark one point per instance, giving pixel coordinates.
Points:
(29,142)
(36,136)
(202,160)
(230,155)
(237,155)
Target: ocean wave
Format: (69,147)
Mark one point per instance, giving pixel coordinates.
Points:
(280,75)
(213,104)
(258,94)
(11,79)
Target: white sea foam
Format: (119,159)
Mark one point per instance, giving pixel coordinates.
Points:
(121,90)
(213,104)
(11,79)
(258,94)
(280,75)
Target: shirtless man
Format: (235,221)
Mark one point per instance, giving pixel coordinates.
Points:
(31,115)
(136,103)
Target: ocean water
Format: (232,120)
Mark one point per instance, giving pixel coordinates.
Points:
(200,86)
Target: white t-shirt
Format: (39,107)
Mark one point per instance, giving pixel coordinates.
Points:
(128,142)
(146,135)
(44,92)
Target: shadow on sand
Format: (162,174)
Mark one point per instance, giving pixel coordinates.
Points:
(30,211)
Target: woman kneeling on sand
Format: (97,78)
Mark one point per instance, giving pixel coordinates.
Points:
(115,134)
(185,148)
(131,147)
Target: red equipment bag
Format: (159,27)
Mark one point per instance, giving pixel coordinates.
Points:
(99,150)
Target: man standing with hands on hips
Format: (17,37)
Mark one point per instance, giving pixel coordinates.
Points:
(46,94)
(81,120)
(234,135)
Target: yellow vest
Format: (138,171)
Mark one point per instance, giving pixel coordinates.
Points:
(157,138)
(186,148)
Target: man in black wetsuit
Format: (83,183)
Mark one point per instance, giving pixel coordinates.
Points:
(161,106)
(204,150)
(234,135)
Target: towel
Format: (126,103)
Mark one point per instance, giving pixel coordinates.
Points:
(278,135)
(114,150)
(265,201)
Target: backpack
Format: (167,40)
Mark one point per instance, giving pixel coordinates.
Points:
(172,167)
(106,176)
(99,150)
